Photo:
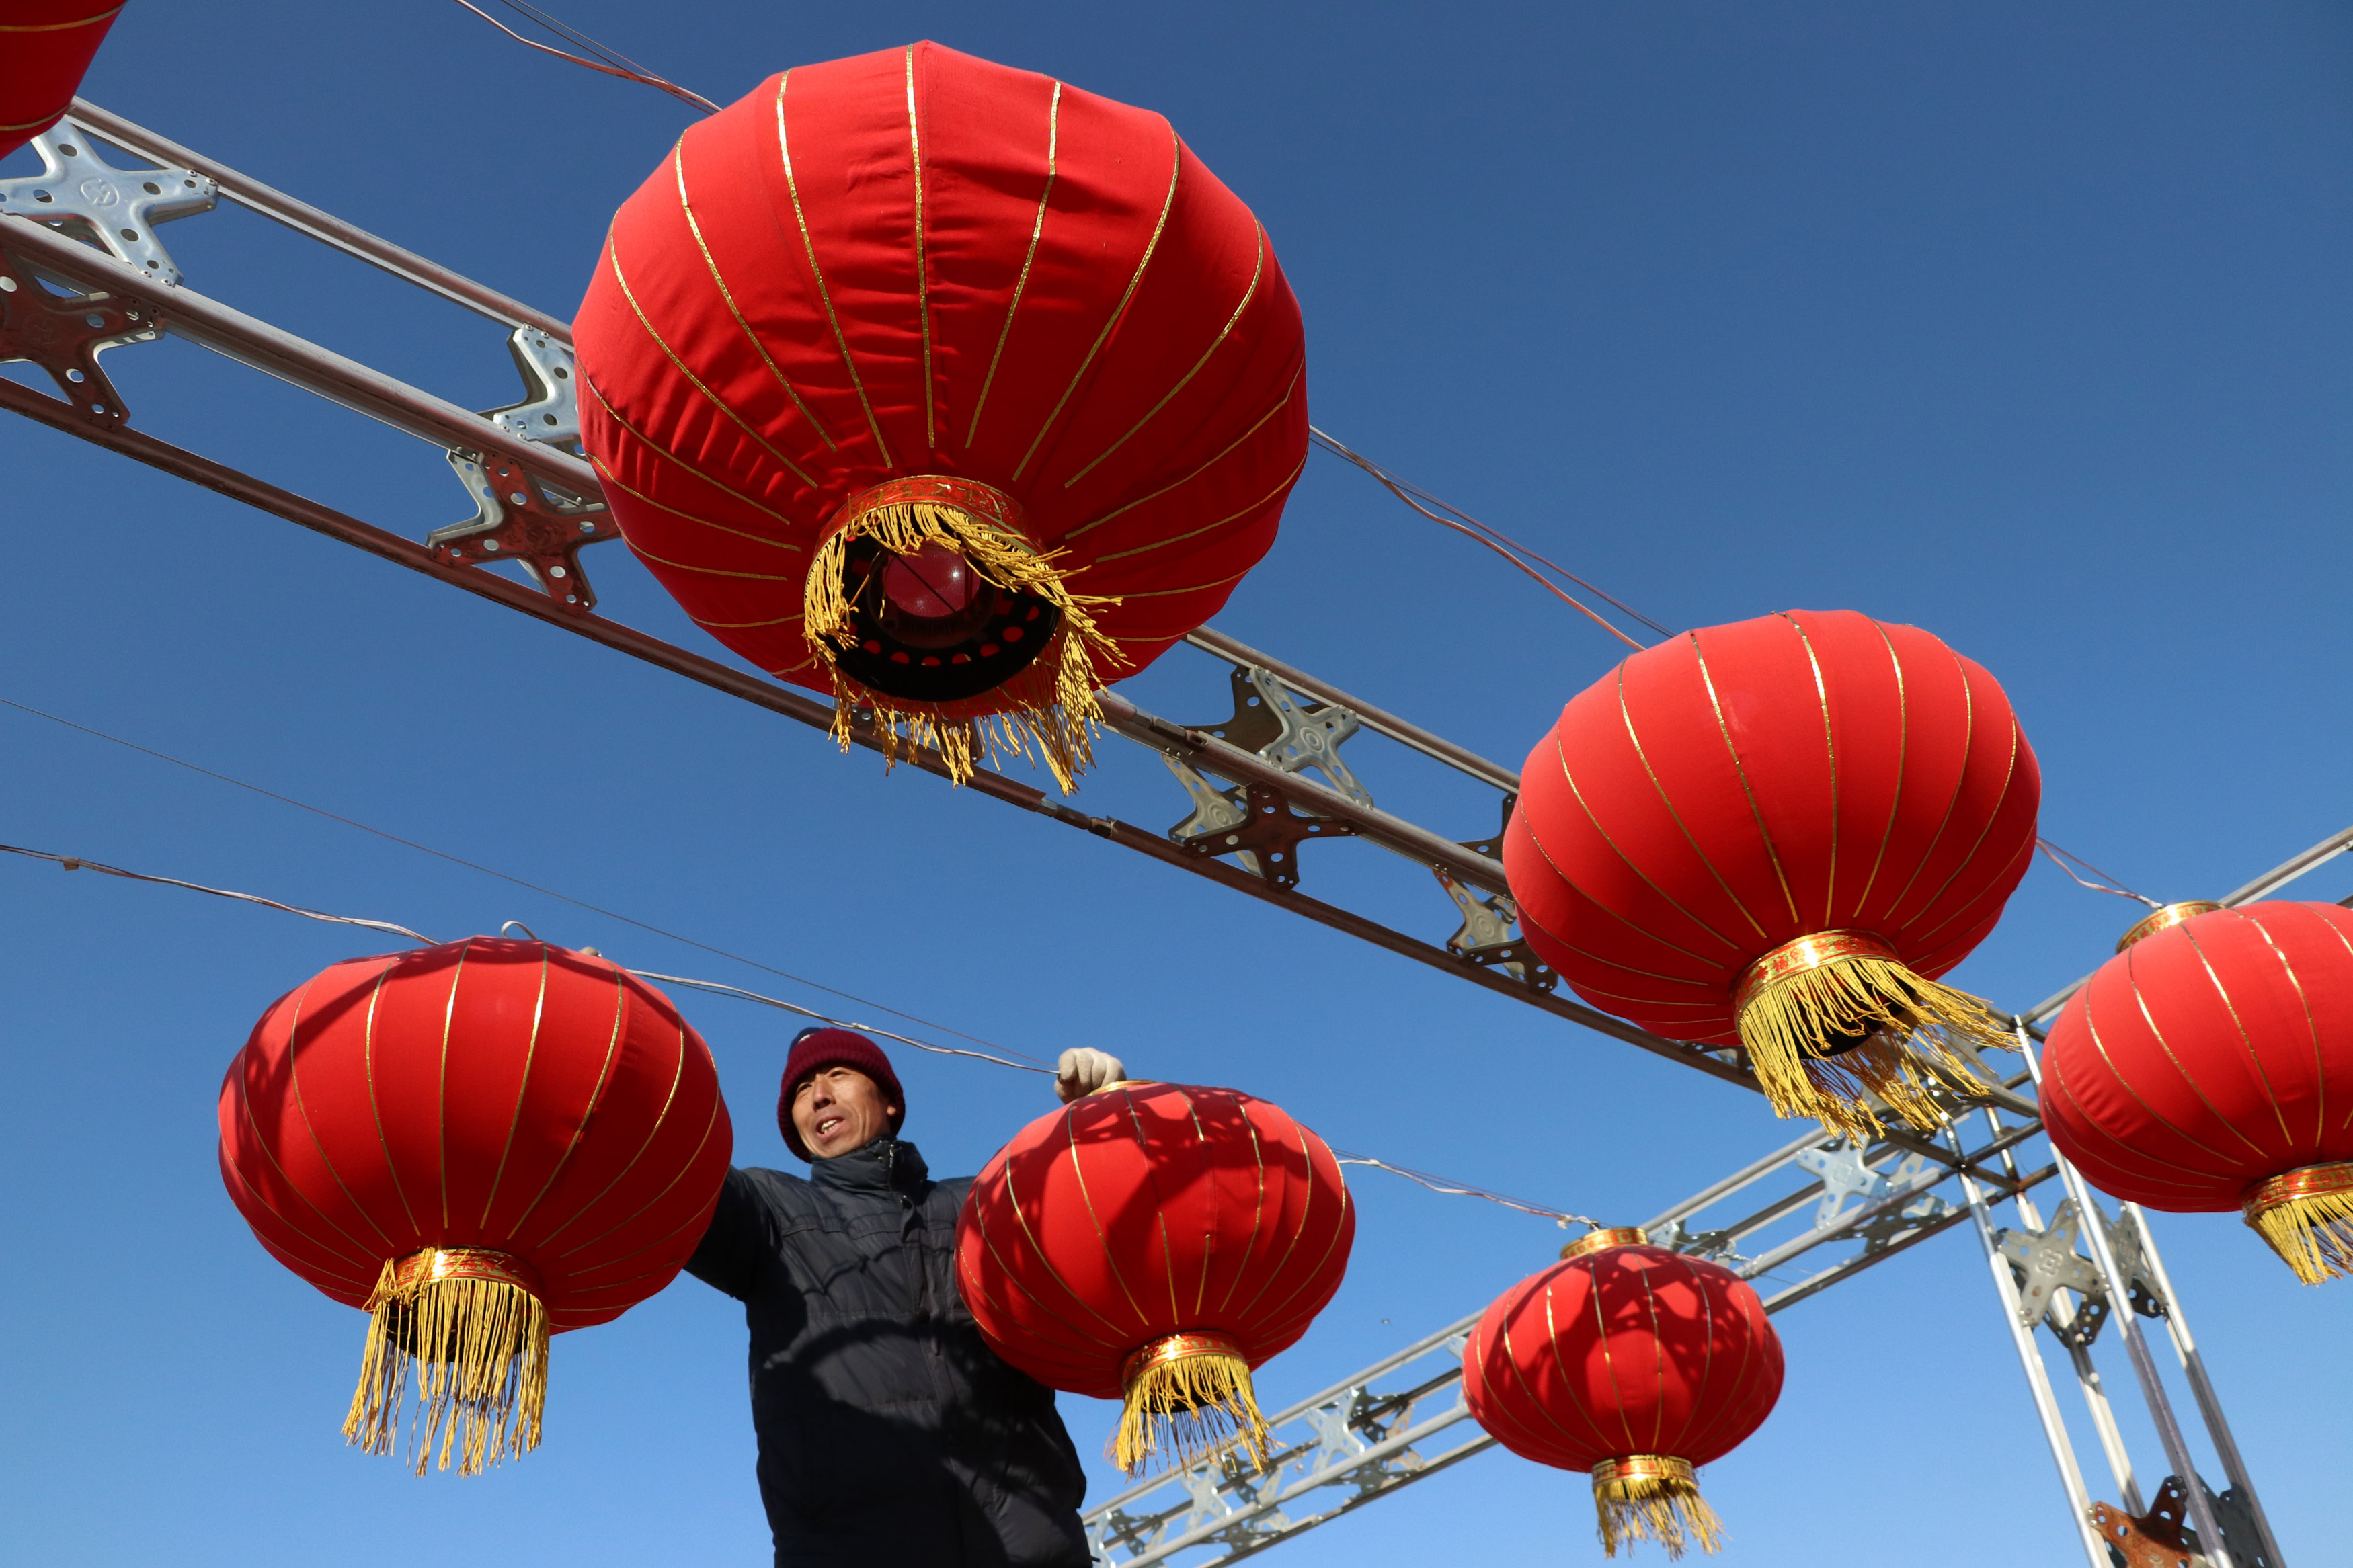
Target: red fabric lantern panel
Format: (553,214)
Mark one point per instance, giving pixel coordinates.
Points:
(944,387)
(2210,1067)
(481,1143)
(1154,1243)
(1632,1362)
(1780,832)
(45,47)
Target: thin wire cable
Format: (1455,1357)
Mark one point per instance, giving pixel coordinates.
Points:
(1448,516)
(718,990)
(81,863)
(493,871)
(646,78)
(2059,857)
(1435,1184)
(1462,1190)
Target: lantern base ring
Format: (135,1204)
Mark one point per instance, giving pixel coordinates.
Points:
(2307,1216)
(1835,1016)
(1653,1497)
(1191,1393)
(471,1324)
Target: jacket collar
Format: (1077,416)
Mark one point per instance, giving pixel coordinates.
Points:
(887,1164)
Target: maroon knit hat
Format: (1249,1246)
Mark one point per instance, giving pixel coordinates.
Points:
(815,1049)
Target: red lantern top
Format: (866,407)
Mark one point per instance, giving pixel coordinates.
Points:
(1633,1363)
(48,44)
(913,298)
(1156,1241)
(2210,1067)
(1746,810)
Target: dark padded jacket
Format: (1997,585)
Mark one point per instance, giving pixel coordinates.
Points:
(891,1436)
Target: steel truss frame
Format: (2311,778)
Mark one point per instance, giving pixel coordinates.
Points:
(88,228)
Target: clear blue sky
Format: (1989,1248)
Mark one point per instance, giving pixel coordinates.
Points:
(2028,323)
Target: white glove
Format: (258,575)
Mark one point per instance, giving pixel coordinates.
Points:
(1083,1071)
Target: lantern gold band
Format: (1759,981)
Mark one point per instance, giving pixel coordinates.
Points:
(1808,953)
(2170,915)
(437,1263)
(1598,1240)
(1643,1467)
(1173,1348)
(984,503)
(2311,1181)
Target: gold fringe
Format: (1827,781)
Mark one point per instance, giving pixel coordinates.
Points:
(1187,1408)
(1053,703)
(1907,1024)
(479,1350)
(1648,1505)
(2313,1233)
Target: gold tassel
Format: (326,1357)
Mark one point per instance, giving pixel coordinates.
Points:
(2307,1218)
(1187,1395)
(1829,1019)
(1650,1497)
(1053,705)
(471,1324)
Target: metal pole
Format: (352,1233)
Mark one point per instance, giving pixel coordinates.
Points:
(2160,1407)
(2210,1404)
(2038,1377)
(2087,1376)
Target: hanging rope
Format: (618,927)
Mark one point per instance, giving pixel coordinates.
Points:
(2059,857)
(611,64)
(1435,1184)
(1511,550)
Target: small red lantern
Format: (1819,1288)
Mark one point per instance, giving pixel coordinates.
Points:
(946,388)
(1779,833)
(48,44)
(2209,1066)
(480,1144)
(1154,1243)
(1635,1364)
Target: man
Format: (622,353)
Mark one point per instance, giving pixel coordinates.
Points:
(891,1436)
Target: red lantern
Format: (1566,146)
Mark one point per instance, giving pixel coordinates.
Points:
(2209,1065)
(481,1143)
(1154,1243)
(47,45)
(913,313)
(1779,833)
(1636,1363)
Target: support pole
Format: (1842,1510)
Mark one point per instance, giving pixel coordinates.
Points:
(2038,1377)
(2210,1404)
(2160,1406)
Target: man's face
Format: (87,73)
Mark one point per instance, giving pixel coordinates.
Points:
(840,1109)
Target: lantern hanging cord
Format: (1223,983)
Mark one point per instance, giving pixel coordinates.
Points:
(2059,857)
(1459,1190)
(486,871)
(718,990)
(1435,1184)
(611,63)
(78,863)
(1511,550)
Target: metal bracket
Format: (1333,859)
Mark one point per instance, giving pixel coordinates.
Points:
(1715,1246)
(1255,823)
(1489,936)
(64,335)
(2158,1538)
(1849,1183)
(519,515)
(1292,734)
(81,195)
(2045,1261)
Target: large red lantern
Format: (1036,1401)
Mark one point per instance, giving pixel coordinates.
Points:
(480,1144)
(944,387)
(1634,1364)
(47,45)
(2209,1066)
(1779,833)
(1154,1243)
